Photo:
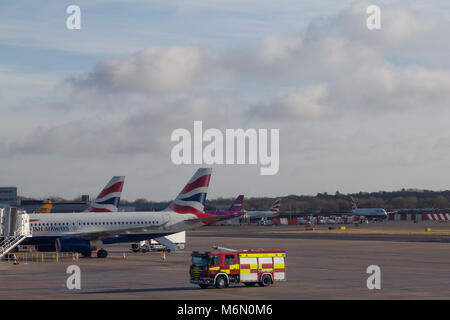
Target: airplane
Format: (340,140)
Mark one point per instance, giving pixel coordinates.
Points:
(234,211)
(263,215)
(368,212)
(85,232)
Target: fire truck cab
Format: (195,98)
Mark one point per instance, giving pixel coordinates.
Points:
(249,267)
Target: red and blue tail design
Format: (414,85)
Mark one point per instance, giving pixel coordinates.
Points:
(193,196)
(276,206)
(108,200)
(354,206)
(237,204)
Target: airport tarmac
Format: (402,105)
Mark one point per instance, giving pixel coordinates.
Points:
(325,265)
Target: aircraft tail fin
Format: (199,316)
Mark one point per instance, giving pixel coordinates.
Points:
(45,208)
(237,204)
(354,206)
(109,198)
(193,196)
(276,206)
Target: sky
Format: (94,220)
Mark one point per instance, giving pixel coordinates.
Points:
(357,109)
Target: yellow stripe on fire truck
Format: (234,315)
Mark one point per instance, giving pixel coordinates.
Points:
(262,255)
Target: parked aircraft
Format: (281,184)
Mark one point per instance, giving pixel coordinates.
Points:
(263,215)
(85,232)
(234,211)
(368,212)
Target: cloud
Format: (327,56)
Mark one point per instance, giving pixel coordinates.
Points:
(311,102)
(145,131)
(335,69)
(155,69)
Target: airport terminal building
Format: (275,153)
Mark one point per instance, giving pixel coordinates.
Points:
(8,195)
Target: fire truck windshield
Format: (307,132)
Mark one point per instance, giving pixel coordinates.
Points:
(200,261)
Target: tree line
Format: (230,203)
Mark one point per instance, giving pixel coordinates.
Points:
(324,202)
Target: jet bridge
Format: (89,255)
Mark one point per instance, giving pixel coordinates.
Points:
(14,228)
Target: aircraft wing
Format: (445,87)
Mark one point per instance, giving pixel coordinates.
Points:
(99,235)
(208,219)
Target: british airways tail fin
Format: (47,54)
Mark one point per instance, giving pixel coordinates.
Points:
(276,206)
(354,206)
(109,198)
(193,196)
(237,204)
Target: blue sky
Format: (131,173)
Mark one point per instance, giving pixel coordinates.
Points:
(357,110)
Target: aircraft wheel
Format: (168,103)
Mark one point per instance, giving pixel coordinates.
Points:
(102,253)
(86,254)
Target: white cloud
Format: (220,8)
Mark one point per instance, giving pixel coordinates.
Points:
(311,102)
(338,92)
(154,69)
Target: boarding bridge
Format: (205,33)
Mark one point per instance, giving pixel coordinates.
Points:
(14,228)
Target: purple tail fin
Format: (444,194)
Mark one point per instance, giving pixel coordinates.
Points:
(237,204)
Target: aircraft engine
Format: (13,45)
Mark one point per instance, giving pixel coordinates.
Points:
(74,245)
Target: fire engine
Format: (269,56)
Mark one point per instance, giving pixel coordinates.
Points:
(249,267)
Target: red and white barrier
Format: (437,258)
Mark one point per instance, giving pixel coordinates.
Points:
(419,216)
(318,220)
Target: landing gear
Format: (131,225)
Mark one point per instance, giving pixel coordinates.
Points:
(86,254)
(102,253)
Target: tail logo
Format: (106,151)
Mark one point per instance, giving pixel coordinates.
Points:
(193,196)
(276,206)
(108,200)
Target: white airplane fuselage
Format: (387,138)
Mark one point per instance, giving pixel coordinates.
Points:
(370,212)
(100,226)
(261,214)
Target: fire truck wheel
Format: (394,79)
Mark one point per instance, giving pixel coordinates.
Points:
(203,286)
(221,282)
(266,281)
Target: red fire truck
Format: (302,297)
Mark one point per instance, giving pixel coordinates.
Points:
(249,267)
